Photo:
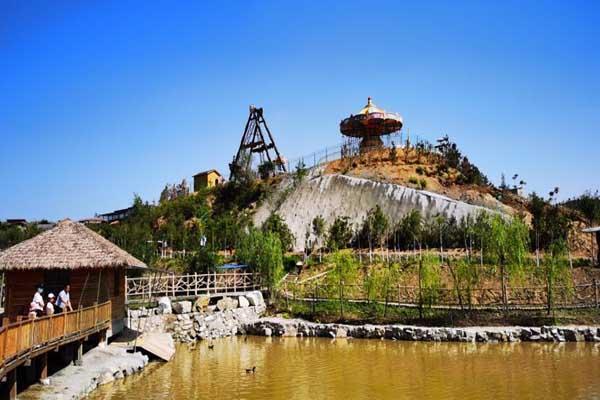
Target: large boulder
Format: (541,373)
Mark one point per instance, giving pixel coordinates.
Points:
(182,307)
(255,298)
(243,301)
(201,303)
(227,303)
(164,305)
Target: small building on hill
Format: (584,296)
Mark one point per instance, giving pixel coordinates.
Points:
(116,216)
(207,179)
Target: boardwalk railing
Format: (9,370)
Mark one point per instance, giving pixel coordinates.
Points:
(517,298)
(26,338)
(149,288)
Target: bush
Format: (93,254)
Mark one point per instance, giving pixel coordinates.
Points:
(422,183)
(262,252)
(275,224)
(203,261)
(420,170)
(413,180)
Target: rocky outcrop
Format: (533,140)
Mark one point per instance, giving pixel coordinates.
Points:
(101,365)
(301,328)
(341,195)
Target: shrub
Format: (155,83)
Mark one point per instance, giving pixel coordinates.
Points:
(422,183)
(420,170)
(413,180)
(275,224)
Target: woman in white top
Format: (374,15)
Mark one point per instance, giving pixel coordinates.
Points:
(37,305)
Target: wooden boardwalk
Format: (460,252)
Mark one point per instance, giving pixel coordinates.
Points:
(25,339)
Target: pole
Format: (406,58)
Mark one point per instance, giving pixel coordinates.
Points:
(596,292)
(342,300)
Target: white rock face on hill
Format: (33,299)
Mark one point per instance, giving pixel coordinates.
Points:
(338,195)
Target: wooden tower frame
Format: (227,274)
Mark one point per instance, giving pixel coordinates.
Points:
(254,141)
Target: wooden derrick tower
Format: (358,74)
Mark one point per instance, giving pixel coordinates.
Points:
(256,141)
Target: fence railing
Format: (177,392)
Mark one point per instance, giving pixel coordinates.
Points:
(19,339)
(149,288)
(346,149)
(517,298)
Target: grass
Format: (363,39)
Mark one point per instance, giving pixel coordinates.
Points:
(354,313)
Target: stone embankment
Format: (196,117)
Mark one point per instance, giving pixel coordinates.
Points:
(101,365)
(301,328)
(188,322)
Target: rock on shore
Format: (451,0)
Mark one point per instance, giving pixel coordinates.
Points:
(298,327)
(100,365)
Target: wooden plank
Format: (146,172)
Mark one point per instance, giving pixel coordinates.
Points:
(158,344)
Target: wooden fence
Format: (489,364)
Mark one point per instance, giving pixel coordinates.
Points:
(150,287)
(517,298)
(25,338)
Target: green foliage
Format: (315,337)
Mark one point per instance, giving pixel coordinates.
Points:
(375,226)
(318,226)
(465,277)
(420,170)
(13,234)
(266,169)
(409,230)
(422,183)
(588,204)
(340,234)
(549,222)
(276,225)
(300,173)
(262,252)
(413,180)
(557,271)
(203,261)
(430,279)
(345,267)
(507,243)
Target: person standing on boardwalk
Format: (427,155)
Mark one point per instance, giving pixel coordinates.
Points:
(64,299)
(50,304)
(37,304)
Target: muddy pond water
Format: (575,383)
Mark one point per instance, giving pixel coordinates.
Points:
(315,368)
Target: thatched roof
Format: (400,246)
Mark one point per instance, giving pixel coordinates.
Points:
(69,245)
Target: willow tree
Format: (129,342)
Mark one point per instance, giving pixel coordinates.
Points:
(508,240)
(430,281)
(262,252)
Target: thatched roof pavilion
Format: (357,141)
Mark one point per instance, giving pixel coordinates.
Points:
(68,253)
(69,245)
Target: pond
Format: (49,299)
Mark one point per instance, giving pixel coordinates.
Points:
(317,368)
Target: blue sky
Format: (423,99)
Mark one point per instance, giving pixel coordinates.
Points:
(103,99)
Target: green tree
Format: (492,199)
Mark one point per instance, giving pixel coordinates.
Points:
(508,247)
(340,234)
(262,252)
(375,226)
(275,224)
